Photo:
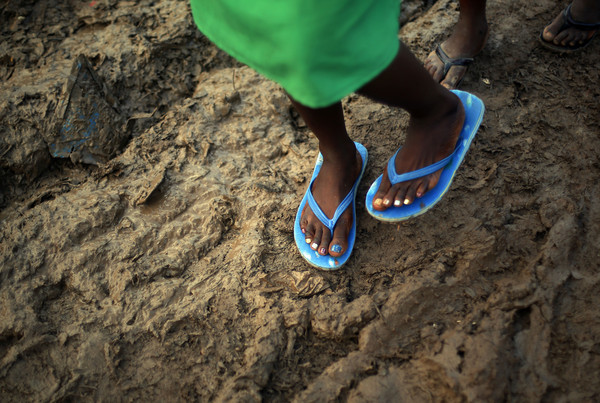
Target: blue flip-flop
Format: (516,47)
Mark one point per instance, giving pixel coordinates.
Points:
(474,109)
(328,262)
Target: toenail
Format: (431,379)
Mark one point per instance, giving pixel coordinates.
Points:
(336,248)
(406,201)
(314,245)
(378,202)
(323,251)
(386,202)
(397,203)
(303,230)
(308,240)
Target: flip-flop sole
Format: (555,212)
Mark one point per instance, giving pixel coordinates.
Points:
(474,110)
(564,49)
(570,22)
(328,262)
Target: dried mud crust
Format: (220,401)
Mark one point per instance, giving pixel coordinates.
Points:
(170,272)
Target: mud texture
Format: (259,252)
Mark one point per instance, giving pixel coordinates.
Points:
(169,273)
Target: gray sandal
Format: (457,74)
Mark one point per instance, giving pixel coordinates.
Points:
(569,22)
(450,62)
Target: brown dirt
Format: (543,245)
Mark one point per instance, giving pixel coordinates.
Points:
(170,273)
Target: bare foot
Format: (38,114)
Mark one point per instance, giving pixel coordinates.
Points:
(582,12)
(466,41)
(334,181)
(429,139)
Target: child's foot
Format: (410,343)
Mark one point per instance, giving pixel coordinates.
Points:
(574,27)
(429,139)
(334,181)
(467,40)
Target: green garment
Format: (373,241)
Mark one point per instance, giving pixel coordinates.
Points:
(319,51)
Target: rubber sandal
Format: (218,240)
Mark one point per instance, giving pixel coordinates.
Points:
(328,262)
(569,22)
(450,62)
(474,110)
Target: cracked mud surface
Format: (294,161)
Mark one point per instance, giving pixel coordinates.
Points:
(170,272)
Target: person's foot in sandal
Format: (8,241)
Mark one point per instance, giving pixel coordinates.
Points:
(448,63)
(574,27)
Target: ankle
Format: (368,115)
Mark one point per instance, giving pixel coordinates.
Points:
(343,153)
(443,104)
(471,27)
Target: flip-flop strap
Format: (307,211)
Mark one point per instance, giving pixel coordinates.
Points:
(450,62)
(419,173)
(329,222)
(569,22)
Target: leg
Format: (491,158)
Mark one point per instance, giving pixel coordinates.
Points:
(341,167)
(436,120)
(467,40)
(582,11)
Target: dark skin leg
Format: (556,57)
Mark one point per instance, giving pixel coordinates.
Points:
(341,166)
(436,120)
(467,40)
(586,11)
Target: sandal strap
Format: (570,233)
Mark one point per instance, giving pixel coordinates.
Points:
(450,62)
(395,178)
(569,22)
(316,209)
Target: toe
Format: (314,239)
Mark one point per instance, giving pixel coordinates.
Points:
(339,242)
(304,220)
(411,193)
(455,74)
(400,196)
(430,59)
(435,67)
(421,189)
(381,192)
(547,35)
(337,247)
(436,73)
(316,240)
(309,233)
(324,244)
(561,38)
(430,69)
(552,30)
(391,195)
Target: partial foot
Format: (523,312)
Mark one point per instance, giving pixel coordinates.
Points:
(575,26)
(467,40)
(428,140)
(334,181)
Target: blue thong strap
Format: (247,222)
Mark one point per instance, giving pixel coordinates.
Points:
(329,222)
(419,173)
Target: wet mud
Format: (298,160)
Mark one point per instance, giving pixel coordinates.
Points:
(169,271)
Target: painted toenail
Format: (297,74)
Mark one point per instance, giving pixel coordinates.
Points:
(378,202)
(308,240)
(386,202)
(406,201)
(314,245)
(303,231)
(397,203)
(336,248)
(323,251)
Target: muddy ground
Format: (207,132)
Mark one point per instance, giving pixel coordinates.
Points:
(169,272)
